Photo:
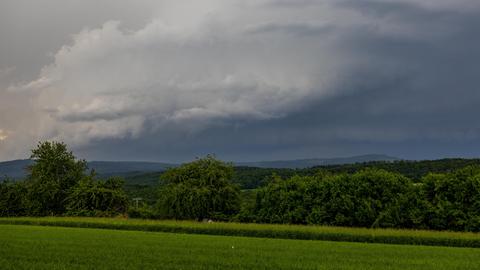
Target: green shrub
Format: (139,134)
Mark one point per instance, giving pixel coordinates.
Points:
(144,212)
(13,199)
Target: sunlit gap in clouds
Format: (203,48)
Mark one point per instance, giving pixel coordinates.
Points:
(3,135)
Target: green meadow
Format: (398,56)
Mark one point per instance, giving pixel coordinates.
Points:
(298,232)
(41,247)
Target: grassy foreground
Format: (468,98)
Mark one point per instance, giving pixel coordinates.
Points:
(36,247)
(386,236)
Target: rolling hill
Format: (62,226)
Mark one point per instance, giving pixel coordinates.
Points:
(16,169)
(307,163)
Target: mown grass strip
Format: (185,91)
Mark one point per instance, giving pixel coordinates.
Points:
(384,236)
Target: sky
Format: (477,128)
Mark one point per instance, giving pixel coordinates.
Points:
(246,80)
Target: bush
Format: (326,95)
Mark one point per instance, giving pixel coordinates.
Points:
(13,199)
(144,212)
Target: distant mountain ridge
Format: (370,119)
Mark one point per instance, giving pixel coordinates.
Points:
(307,163)
(16,169)
(108,168)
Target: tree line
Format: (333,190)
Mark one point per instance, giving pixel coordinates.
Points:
(252,177)
(59,184)
(372,198)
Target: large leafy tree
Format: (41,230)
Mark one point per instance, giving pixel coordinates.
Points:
(200,189)
(54,172)
(97,198)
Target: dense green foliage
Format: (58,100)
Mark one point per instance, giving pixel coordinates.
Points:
(144,186)
(199,189)
(251,178)
(453,200)
(373,198)
(93,198)
(13,198)
(31,247)
(58,185)
(390,236)
(340,200)
(412,169)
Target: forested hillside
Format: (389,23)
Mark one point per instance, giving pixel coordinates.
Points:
(254,177)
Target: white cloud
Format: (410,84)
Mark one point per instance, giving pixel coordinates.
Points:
(109,81)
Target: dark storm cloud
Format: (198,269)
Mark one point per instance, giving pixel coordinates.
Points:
(296,29)
(292,3)
(397,9)
(277,79)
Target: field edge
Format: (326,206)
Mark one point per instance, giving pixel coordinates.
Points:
(381,236)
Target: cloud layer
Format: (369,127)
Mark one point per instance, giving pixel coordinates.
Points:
(276,75)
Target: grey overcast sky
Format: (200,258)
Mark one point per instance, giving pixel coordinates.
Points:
(170,80)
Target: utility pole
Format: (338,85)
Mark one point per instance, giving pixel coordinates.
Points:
(136,201)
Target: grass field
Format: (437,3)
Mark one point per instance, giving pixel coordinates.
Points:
(409,237)
(37,247)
